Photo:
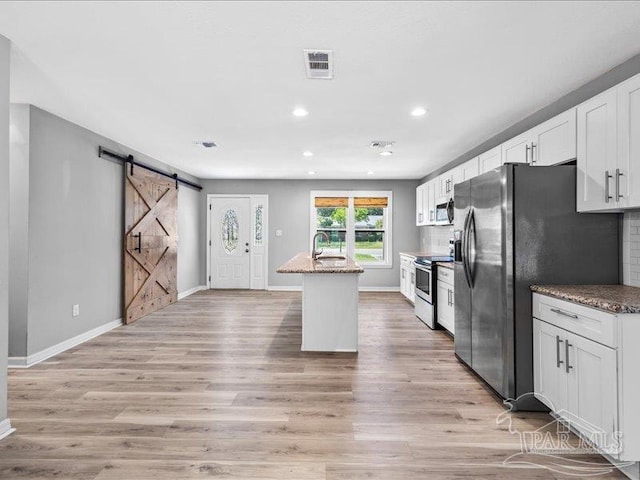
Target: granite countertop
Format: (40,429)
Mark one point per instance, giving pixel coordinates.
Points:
(448,265)
(612,298)
(303,263)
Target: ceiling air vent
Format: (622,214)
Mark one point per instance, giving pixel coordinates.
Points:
(382,144)
(319,63)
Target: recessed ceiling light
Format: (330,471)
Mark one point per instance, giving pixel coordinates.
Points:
(300,112)
(418,112)
(386,153)
(307,153)
(369,172)
(311,172)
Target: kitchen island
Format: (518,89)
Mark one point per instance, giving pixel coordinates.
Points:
(329,301)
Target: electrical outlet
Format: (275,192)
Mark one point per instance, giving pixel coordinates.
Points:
(76,310)
(279,233)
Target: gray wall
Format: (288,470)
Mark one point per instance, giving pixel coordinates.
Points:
(19,228)
(191,239)
(289,211)
(75,221)
(4,220)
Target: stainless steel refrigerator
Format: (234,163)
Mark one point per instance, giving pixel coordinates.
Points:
(518,226)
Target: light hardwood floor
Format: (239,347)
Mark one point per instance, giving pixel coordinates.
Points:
(215,386)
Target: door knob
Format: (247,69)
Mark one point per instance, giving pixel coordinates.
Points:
(246,244)
(246,250)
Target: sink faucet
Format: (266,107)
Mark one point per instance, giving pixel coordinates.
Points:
(314,252)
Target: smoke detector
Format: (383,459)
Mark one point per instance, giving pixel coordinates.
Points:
(319,63)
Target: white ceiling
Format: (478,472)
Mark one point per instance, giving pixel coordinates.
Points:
(157,76)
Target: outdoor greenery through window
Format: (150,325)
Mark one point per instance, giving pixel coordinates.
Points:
(356,224)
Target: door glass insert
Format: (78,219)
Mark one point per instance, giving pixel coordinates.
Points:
(257,240)
(229,230)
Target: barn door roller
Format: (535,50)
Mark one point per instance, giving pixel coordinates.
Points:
(103,152)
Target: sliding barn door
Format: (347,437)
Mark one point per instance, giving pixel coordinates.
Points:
(150,243)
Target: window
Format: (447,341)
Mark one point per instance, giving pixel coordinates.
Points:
(357,224)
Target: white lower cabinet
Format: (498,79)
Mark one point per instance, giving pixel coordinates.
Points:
(575,378)
(584,370)
(549,375)
(446,301)
(408,277)
(592,398)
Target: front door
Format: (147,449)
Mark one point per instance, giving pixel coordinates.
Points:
(230,225)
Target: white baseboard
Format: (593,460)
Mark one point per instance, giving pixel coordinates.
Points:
(5,428)
(26,362)
(378,289)
(278,288)
(191,291)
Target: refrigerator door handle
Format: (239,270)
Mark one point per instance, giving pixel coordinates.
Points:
(471,246)
(463,250)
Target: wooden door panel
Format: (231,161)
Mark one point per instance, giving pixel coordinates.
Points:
(150,243)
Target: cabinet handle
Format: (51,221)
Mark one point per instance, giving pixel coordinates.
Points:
(413,278)
(420,215)
(560,312)
(558,342)
(533,157)
(607,197)
(618,175)
(526,153)
(402,272)
(566,355)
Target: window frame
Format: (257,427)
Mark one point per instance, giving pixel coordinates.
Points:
(350,226)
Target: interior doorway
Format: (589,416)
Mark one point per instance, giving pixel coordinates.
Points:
(237,236)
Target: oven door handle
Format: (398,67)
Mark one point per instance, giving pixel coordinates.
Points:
(463,249)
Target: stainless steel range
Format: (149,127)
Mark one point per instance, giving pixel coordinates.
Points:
(426,301)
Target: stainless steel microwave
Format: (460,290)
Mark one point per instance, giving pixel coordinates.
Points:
(444,212)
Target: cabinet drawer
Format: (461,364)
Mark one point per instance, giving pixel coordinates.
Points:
(587,322)
(445,275)
(406,261)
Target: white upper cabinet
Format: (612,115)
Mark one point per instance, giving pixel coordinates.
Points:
(420,205)
(426,203)
(549,143)
(430,201)
(628,168)
(597,154)
(554,141)
(465,171)
(445,187)
(517,150)
(490,160)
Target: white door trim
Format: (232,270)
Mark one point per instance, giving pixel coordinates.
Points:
(255,200)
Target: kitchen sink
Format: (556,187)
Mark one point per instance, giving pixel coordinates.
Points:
(330,261)
(331,257)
